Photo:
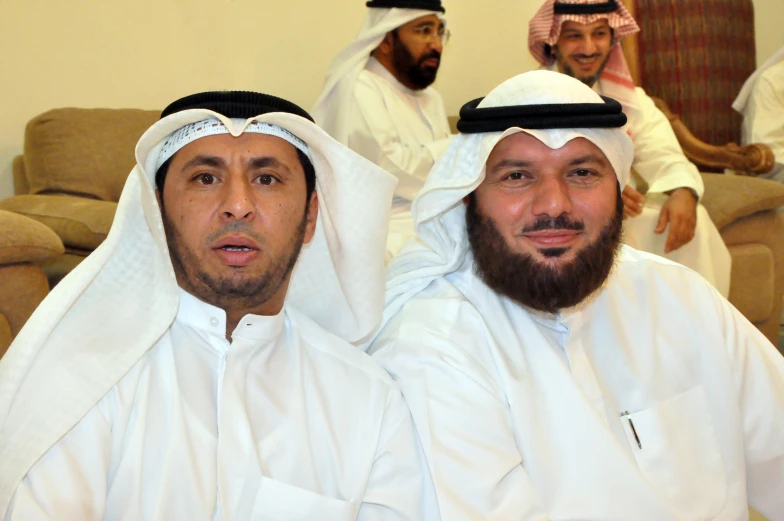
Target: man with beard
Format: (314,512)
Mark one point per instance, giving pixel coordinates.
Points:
(581,38)
(553,373)
(198,365)
(377,98)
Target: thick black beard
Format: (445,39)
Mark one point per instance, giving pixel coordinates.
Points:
(588,80)
(231,292)
(536,285)
(418,76)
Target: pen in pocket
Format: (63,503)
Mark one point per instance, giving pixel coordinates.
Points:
(631,424)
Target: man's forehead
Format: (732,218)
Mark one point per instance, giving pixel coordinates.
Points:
(253,143)
(426,20)
(573,25)
(523,146)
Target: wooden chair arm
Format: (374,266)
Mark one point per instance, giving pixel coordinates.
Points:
(753,160)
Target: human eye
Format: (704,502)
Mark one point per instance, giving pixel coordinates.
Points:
(516,177)
(583,175)
(205,178)
(267,179)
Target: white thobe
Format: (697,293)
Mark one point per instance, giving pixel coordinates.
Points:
(660,162)
(763,116)
(285,422)
(528,417)
(403,131)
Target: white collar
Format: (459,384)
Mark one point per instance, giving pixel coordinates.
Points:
(211,319)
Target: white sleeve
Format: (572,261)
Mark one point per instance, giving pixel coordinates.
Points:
(658,157)
(759,385)
(399,488)
(69,483)
(374,136)
(766,124)
(460,413)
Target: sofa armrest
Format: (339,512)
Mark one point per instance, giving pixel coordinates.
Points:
(21,184)
(752,160)
(729,197)
(26,241)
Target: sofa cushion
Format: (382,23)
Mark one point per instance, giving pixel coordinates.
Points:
(730,197)
(80,223)
(24,240)
(83,151)
(752,280)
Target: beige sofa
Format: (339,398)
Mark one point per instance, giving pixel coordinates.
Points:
(72,172)
(24,245)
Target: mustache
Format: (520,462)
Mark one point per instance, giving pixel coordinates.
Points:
(587,56)
(561,222)
(236,227)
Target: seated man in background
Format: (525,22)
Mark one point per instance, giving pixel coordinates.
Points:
(198,365)
(581,38)
(552,372)
(761,101)
(377,98)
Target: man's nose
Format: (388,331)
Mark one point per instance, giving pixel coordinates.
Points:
(237,203)
(552,198)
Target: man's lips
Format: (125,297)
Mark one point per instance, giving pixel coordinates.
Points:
(236,250)
(552,238)
(431,62)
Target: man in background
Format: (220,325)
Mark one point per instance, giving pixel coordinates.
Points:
(378,99)
(761,101)
(581,38)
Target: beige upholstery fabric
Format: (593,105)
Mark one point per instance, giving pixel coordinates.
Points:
(21,185)
(750,261)
(80,222)
(22,288)
(83,151)
(5,335)
(25,240)
(729,197)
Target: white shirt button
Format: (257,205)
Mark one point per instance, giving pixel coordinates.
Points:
(214,321)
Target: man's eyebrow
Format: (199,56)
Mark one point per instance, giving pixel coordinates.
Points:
(514,163)
(268,161)
(426,23)
(588,158)
(201,160)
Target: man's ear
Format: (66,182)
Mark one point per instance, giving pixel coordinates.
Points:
(387,44)
(311,217)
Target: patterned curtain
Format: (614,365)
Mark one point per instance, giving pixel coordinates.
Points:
(696,55)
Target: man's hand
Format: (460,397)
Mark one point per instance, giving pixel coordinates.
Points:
(680,211)
(632,202)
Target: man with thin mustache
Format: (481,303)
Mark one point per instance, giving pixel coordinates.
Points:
(378,99)
(199,365)
(581,38)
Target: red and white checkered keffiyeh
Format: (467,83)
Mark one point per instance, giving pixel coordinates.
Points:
(545,28)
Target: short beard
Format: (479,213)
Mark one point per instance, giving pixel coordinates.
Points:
(535,285)
(418,77)
(588,80)
(227,292)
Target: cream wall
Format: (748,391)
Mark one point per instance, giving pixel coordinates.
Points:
(145,53)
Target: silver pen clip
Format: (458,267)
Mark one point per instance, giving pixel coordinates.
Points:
(631,424)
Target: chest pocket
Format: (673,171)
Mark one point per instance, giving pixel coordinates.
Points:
(680,454)
(277,501)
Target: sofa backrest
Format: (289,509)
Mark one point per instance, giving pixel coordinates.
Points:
(87,152)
